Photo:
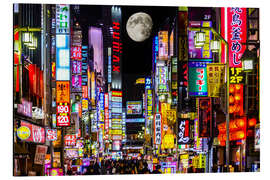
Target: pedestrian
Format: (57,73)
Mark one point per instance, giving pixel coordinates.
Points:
(145,169)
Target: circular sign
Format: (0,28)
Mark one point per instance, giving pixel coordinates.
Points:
(23,132)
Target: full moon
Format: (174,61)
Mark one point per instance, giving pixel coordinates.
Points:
(139,26)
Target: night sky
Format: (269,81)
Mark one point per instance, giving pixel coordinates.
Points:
(137,56)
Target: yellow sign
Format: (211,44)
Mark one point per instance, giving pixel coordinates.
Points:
(155,160)
(171,116)
(168,141)
(23,132)
(184,156)
(62,92)
(202,161)
(140,81)
(215,78)
(84,104)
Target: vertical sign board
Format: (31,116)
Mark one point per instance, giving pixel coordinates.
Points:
(162,73)
(116,71)
(215,78)
(62,19)
(158,129)
(197,78)
(116,48)
(163,45)
(62,103)
(84,65)
(205,117)
(233,29)
(183,131)
(62,43)
(149,104)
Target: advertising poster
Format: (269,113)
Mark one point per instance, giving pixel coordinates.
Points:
(134,107)
(205,117)
(197,81)
(215,78)
(40,154)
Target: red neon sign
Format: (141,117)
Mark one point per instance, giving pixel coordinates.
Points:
(62,116)
(235,33)
(76,52)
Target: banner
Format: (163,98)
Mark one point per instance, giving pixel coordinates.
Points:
(183,131)
(40,154)
(205,117)
(215,78)
(163,45)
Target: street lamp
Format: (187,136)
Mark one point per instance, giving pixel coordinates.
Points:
(248,60)
(199,39)
(27,37)
(215,45)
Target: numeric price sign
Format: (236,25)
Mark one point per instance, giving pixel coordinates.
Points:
(236,76)
(62,114)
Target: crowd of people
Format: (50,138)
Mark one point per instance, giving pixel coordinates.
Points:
(109,166)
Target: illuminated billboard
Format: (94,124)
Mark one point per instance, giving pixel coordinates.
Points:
(204,52)
(134,107)
(62,57)
(162,72)
(197,78)
(34,133)
(116,48)
(234,31)
(62,18)
(163,45)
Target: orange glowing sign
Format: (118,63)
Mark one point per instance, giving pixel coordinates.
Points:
(62,91)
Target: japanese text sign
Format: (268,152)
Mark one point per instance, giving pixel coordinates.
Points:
(62,91)
(197,78)
(236,76)
(62,18)
(237,25)
(183,131)
(70,140)
(215,78)
(51,134)
(158,129)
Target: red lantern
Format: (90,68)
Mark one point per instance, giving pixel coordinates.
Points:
(252,122)
(231,89)
(237,97)
(231,99)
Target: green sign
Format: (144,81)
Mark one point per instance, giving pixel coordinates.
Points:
(197,78)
